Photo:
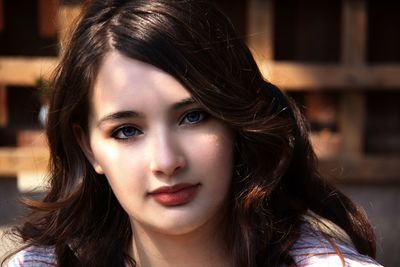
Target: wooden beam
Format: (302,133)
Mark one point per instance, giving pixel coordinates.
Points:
(304,76)
(260,37)
(351,123)
(290,76)
(352,102)
(2,20)
(354,32)
(3,106)
(48,18)
(25,71)
(382,76)
(14,160)
(375,170)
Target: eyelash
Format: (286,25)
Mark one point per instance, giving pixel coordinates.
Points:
(203,116)
(119,131)
(115,133)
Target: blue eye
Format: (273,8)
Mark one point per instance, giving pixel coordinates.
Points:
(194,117)
(125,132)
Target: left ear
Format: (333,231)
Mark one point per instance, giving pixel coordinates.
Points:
(84,142)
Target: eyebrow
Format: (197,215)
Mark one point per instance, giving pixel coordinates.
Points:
(130,114)
(119,116)
(183,103)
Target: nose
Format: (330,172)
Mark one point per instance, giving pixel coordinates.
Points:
(166,155)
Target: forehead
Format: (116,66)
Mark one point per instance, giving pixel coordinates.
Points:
(126,83)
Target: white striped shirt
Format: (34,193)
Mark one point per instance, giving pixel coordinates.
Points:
(311,250)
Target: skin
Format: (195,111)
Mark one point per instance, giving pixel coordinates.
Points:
(145,131)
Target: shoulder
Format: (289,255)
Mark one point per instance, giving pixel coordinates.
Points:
(315,249)
(34,256)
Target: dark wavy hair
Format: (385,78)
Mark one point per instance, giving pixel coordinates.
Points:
(275,181)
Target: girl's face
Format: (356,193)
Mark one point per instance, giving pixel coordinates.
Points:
(168,162)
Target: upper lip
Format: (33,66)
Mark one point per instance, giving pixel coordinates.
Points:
(172,188)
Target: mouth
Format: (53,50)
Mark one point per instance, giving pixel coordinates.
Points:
(176,195)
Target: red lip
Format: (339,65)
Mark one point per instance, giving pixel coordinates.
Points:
(175,195)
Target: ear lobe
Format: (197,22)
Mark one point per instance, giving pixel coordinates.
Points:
(83,140)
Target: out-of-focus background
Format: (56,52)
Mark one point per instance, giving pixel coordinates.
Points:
(339,59)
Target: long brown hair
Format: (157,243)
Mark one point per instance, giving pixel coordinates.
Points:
(275,179)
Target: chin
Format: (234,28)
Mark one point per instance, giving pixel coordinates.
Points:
(178,222)
(181,225)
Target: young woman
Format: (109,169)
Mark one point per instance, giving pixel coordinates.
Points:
(168,148)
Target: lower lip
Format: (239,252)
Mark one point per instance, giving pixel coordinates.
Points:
(178,198)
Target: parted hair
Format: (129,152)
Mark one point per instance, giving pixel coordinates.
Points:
(275,179)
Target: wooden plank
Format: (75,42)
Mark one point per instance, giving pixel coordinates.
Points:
(260,37)
(354,31)
(382,76)
(14,160)
(305,76)
(352,104)
(48,18)
(3,106)
(2,20)
(25,71)
(291,76)
(351,123)
(375,170)
(67,16)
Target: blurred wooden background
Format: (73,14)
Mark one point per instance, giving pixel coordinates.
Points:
(339,59)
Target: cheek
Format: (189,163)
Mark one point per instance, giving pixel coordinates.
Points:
(120,164)
(213,155)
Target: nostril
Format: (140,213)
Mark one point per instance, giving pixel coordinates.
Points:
(167,156)
(167,166)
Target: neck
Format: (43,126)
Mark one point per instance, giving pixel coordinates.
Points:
(203,247)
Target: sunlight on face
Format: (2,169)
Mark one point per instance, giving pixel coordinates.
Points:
(168,161)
